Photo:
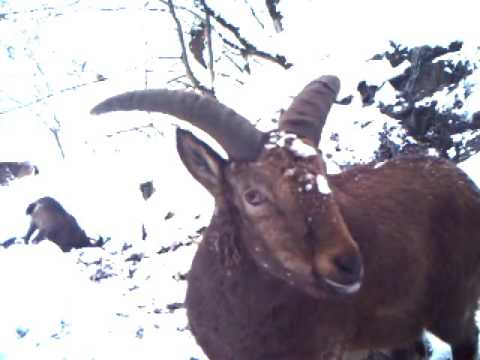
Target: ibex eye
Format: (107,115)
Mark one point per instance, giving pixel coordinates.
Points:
(254,197)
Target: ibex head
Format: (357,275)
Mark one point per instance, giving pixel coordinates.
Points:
(274,184)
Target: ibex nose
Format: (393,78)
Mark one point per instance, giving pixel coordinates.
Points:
(342,272)
(349,267)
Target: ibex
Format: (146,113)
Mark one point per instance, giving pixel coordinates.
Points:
(300,265)
(53,222)
(13,170)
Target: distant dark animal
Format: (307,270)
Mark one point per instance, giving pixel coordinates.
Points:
(14,170)
(300,265)
(53,222)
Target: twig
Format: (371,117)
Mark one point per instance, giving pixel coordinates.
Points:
(275,14)
(254,14)
(233,62)
(168,58)
(165,2)
(135,128)
(55,132)
(248,48)
(48,96)
(228,76)
(177,78)
(29,11)
(122,8)
(208,29)
(195,82)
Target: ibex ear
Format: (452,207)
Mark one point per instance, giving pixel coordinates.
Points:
(205,165)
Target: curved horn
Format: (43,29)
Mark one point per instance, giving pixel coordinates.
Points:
(307,114)
(239,138)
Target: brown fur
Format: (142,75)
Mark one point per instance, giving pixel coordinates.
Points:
(416,222)
(54,223)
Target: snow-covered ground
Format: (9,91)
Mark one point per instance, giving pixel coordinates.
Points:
(51,306)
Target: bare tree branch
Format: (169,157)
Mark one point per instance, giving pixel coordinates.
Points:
(240,68)
(254,14)
(60,11)
(168,58)
(195,82)
(275,14)
(121,8)
(228,76)
(50,95)
(55,132)
(136,128)
(30,11)
(176,79)
(208,29)
(178,7)
(248,48)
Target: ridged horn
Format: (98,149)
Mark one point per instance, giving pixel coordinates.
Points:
(238,137)
(308,112)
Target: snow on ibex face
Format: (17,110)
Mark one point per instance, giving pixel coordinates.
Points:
(292,142)
(322,185)
(296,145)
(379,164)
(308,182)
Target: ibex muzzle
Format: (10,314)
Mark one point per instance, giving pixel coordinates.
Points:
(275,183)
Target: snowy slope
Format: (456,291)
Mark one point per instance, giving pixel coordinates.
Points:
(52,309)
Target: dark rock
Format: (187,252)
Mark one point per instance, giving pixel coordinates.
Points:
(22,332)
(175,246)
(126,246)
(347,100)
(147,189)
(135,257)
(180,276)
(367,92)
(169,215)
(425,121)
(101,274)
(175,306)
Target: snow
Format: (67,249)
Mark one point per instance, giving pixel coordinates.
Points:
(300,148)
(292,142)
(322,185)
(49,306)
(48,295)
(472,167)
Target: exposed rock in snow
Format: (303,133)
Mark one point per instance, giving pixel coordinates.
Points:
(433,100)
